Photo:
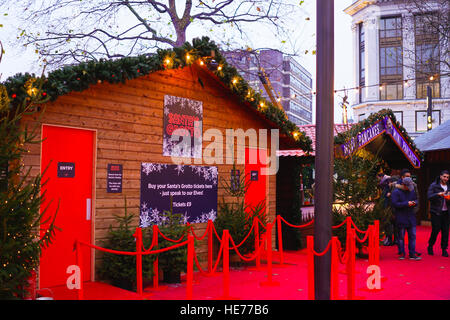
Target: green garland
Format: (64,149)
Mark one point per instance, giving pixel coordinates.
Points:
(79,77)
(341,138)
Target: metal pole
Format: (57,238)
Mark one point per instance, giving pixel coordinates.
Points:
(324,146)
(429,108)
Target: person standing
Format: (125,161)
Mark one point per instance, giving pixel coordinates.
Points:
(438,194)
(384,183)
(404,200)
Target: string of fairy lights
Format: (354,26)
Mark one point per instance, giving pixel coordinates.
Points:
(381,86)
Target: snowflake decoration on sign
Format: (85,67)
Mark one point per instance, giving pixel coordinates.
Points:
(185,218)
(179,169)
(148,168)
(145,220)
(205,217)
(207,173)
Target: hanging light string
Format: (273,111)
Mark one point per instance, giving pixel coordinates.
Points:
(379,85)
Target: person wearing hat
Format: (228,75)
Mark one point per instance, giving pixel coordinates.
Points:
(439,196)
(403,201)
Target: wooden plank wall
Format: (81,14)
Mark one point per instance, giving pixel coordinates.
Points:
(128,120)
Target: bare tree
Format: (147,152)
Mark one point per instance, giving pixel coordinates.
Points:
(428,52)
(74,31)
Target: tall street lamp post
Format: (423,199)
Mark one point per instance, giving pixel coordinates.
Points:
(324,146)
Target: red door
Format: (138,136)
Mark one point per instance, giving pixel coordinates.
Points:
(69,155)
(254,162)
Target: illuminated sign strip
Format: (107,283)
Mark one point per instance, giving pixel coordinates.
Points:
(368,135)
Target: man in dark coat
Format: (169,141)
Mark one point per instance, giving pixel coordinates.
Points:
(403,200)
(439,196)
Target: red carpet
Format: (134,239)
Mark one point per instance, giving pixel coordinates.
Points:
(428,279)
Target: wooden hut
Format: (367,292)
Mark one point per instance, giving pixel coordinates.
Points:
(435,144)
(107,126)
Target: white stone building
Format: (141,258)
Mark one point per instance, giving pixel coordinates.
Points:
(395,59)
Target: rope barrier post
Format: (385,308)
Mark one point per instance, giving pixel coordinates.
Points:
(156,285)
(79,262)
(269,281)
(257,235)
(376,243)
(210,246)
(139,285)
(371,246)
(155,263)
(334,268)
(280,241)
(310,250)
(226,264)
(190,268)
(349,228)
(351,265)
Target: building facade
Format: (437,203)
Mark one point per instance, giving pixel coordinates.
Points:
(291,82)
(397,58)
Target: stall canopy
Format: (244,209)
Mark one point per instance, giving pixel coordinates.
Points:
(380,134)
(310,131)
(436,139)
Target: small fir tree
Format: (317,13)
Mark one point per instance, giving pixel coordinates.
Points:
(22,208)
(236,216)
(356,192)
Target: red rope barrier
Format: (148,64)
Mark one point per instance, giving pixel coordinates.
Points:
(190,268)
(295,226)
(269,281)
(255,254)
(324,251)
(365,237)
(195,236)
(356,228)
(246,237)
(339,225)
(168,239)
(213,270)
(257,219)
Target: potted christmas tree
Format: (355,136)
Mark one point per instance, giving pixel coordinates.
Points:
(174,261)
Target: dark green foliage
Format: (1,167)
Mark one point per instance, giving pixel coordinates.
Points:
(20,198)
(356,193)
(121,269)
(292,237)
(174,260)
(79,77)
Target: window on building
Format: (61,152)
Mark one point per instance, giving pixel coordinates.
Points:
(362,117)
(391,91)
(391,28)
(362,62)
(391,58)
(391,61)
(399,116)
(427,55)
(422,123)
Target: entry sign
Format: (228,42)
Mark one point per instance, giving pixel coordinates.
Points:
(66,170)
(114,178)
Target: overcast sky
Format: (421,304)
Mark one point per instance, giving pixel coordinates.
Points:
(17,59)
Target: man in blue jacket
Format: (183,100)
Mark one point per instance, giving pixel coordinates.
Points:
(439,211)
(403,201)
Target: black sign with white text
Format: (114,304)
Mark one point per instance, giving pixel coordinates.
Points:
(193,190)
(66,170)
(114,178)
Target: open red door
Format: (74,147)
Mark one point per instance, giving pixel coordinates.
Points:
(69,155)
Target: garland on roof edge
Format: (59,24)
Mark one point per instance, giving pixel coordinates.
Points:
(341,138)
(79,77)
